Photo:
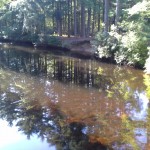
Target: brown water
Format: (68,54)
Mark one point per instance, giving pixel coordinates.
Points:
(71,103)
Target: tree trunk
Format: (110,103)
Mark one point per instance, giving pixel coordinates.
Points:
(59,19)
(68,18)
(118,10)
(103,10)
(106,16)
(53,17)
(89,22)
(75,18)
(93,20)
(82,19)
(99,16)
(71,17)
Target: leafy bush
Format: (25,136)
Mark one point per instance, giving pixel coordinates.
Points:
(135,47)
(129,47)
(147,64)
(52,40)
(106,44)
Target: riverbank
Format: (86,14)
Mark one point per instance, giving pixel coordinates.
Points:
(75,45)
(78,45)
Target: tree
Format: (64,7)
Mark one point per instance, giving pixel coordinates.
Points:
(130,45)
(82,18)
(75,17)
(106,16)
(118,9)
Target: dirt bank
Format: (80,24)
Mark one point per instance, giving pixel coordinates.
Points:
(75,45)
(78,45)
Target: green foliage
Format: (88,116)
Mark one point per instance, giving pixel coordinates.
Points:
(135,47)
(52,40)
(147,64)
(107,45)
(24,20)
(131,45)
(3,2)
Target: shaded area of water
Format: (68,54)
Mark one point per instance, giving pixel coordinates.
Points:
(73,103)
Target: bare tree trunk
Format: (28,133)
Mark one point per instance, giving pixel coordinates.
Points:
(68,18)
(106,16)
(118,10)
(75,18)
(82,19)
(93,21)
(59,18)
(103,10)
(59,23)
(89,22)
(71,17)
(99,16)
(53,18)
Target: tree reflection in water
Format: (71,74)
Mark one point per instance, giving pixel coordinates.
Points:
(73,103)
(41,117)
(147,83)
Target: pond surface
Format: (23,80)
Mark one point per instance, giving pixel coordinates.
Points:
(51,101)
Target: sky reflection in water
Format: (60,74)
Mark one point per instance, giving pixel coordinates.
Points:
(11,139)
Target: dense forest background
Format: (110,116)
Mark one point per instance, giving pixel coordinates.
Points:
(121,28)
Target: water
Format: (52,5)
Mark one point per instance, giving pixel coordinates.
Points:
(57,102)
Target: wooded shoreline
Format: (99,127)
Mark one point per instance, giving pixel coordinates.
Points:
(74,46)
(78,47)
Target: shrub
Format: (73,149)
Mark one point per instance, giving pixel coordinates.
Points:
(147,64)
(52,40)
(129,48)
